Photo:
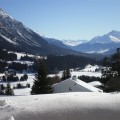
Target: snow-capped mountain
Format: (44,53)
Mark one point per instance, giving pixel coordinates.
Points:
(106,44)
(73,42)
(15,36)
(113,36)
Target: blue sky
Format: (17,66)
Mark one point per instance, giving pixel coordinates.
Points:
(66,19)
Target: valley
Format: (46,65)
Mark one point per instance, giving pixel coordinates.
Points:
(49,78)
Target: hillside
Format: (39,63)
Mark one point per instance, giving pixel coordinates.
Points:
(15,36)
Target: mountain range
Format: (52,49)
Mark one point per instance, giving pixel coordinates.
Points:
(15,36)
(105,44)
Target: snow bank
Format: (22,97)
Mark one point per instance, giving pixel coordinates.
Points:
(3,103)
(65,106)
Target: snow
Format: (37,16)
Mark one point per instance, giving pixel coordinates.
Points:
(74,105)
(73,42)
(99,51)
(95,83)
(80,73)
(89,70)
(3,103)
(4,14)
(21,91)
(22,62)
(70,85)
(9,40)
(103,50)
(114,39)
(26,91)
(19,55)
(11,118)
(64,106)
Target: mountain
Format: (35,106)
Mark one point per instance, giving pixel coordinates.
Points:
(73,42)
(15,36)
(105,44)
(56,42)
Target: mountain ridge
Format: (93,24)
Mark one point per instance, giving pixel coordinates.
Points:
(105,44)
(15,36)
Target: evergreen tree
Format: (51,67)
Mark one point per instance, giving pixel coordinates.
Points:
(116,62)
(66,74)
(41,84)
(106,62)
(111,74)
(2,88)
(9,90)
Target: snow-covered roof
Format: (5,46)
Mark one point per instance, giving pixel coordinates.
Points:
(77,85)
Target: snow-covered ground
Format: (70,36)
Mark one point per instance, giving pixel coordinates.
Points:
(19,55)
(22,91)
(61,106)
(95,83)
(30,80)
(67,86)
(80,73)
(64,106)
(90,68)
(87,71)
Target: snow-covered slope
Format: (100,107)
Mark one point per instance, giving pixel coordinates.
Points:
(70,85)
(65,106)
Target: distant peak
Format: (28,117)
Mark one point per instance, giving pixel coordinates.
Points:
(3,13)
(114,32)
(1,10)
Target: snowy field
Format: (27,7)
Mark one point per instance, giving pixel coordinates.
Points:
(64,106)
(89,104)
(88,71)
(22,91)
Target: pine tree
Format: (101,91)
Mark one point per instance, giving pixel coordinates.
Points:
(111,74)
(41,83)
(9,90)
(106,62)
(2,89)
(116,62)
(66,74)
